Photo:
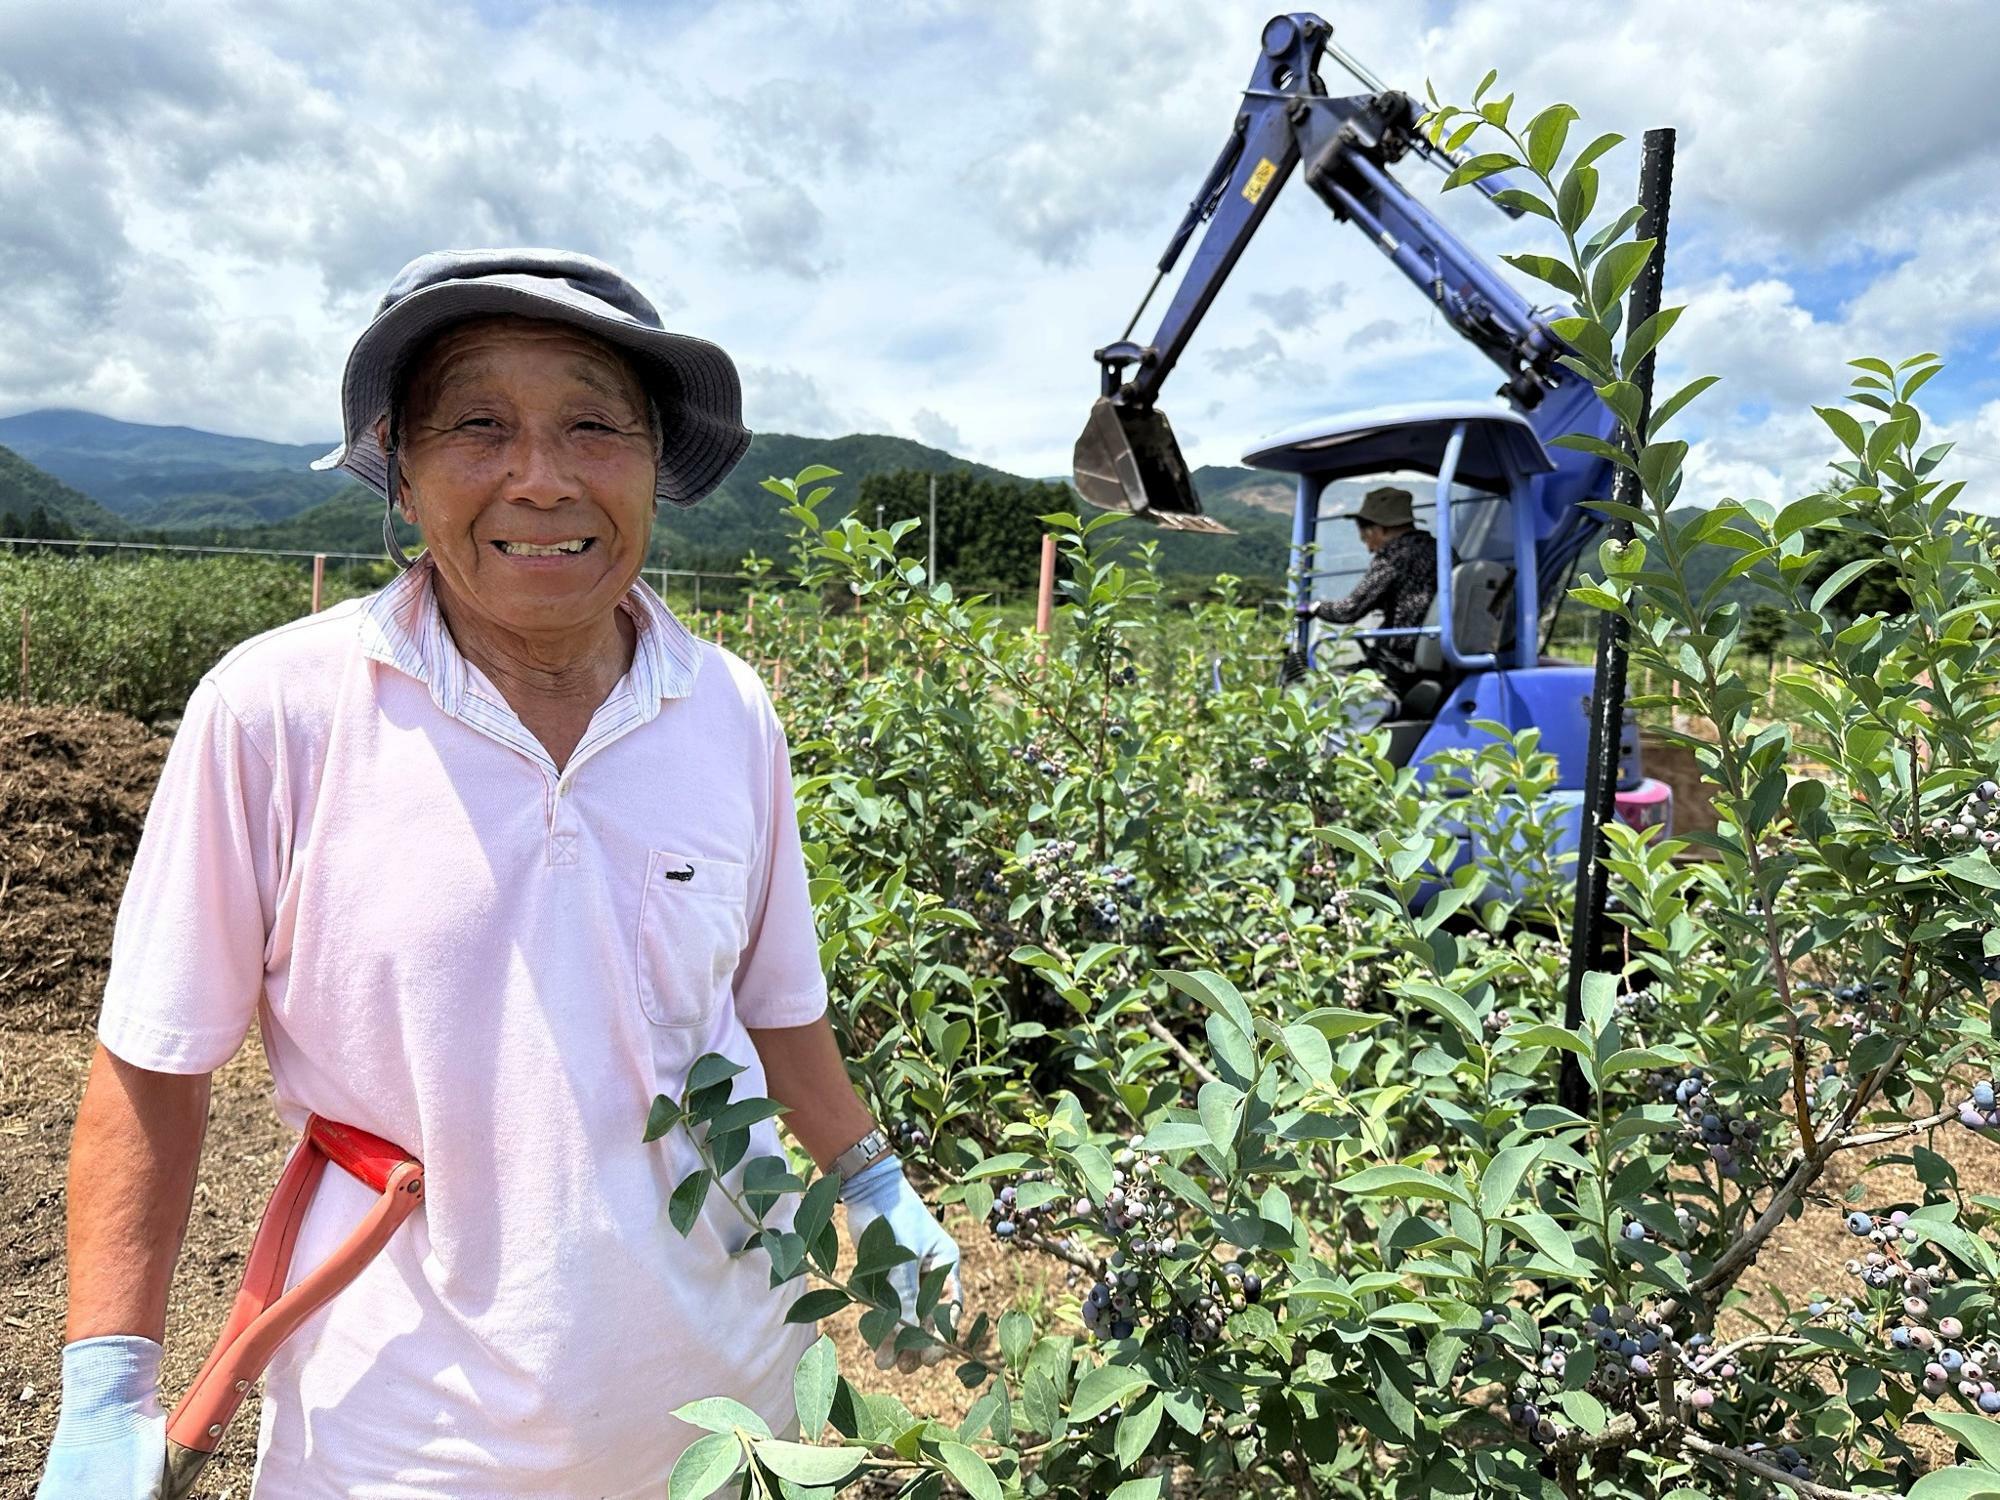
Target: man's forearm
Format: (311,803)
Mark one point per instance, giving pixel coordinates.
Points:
(132,1165)
(804,1072)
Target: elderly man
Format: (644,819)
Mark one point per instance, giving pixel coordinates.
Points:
(1401,579)
(490,858)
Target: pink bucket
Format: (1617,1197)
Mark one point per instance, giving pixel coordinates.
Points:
(1650,804)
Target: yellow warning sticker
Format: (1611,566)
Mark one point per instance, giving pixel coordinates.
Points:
(1260,179)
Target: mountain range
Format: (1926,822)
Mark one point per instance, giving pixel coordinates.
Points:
(106,477)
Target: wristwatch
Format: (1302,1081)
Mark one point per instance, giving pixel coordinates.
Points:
(858,1155)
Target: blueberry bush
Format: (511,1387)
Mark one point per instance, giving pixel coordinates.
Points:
(1170,979)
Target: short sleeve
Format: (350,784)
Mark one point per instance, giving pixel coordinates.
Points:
(779,981)
(187,953)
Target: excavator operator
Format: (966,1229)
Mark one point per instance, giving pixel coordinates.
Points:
(1401,580)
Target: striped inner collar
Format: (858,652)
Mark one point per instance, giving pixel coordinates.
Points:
(402,626)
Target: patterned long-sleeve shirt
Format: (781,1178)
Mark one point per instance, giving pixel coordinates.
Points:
(1401,581)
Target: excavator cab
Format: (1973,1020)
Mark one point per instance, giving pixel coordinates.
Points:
(1481,467)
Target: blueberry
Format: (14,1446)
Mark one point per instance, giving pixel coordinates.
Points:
(1005,1229)
(1859,1223)
(1982,1095)
(1634,1230)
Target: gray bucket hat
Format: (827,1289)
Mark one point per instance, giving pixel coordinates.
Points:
(691,381)
(1385,505)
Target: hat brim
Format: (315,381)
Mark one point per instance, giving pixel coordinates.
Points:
(693,381)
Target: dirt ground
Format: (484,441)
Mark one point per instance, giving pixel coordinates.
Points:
(73,790)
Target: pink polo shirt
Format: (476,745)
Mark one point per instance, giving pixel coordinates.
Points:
(446,942)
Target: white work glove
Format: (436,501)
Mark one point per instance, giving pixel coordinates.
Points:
(883,1192)
(111,1439)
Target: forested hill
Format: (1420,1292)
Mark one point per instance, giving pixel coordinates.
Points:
(33,502)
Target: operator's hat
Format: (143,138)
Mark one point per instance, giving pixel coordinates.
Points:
(691,381)
(1386,505)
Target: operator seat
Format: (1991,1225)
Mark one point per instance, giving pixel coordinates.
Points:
(1479,594)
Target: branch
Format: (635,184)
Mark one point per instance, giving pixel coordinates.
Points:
(1188,1059)
(1750,1463)
(1897,1132)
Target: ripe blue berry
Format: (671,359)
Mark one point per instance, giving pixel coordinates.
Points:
(1859,1223)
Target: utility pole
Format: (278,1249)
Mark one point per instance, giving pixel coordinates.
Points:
(930,570)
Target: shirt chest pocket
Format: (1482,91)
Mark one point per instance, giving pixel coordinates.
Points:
(692,927)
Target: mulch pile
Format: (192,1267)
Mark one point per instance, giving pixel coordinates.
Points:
(74,787)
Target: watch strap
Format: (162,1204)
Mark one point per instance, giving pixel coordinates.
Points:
(858,1155)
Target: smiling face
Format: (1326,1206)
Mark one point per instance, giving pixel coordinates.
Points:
(529,462)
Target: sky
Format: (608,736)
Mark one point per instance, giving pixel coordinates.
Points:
(921,216)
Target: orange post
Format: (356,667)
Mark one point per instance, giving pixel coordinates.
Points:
(1046,592)
(319,578)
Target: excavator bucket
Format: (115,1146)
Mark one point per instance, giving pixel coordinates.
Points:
(1127,459)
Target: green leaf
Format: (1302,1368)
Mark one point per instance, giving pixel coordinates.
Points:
(1547,268)
(1550,1238)
(742,1115)
(1402,1182)
(1584,1409)
(1135,1431)
(1977,868)
(1442,1002)
(815,1210)
(1309,1049)
(1476,168)
(685,1205)
(1980,1434)
(721,1414)
(1502,1177)
(1148,1488)
(1842,577)
(1596,149)
(1546,134)
(1961,1483)
(1217,993)
(1845,427)
(814,474)
(1103,1388)
(664,1116)
(807,1463)
(704,1466)
(709,1069)
(1017,1334)
(972,1472)
(1175,1135)
(820,1302)
(813,1385)
(1642,340)
(1615,272)
(1218,1103)
(1670,408)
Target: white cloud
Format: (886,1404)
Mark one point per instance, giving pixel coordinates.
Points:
(937,430)
(940,208)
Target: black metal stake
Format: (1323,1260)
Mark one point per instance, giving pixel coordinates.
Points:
(1607,699)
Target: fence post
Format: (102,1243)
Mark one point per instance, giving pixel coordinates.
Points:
(25,695)
(319,578)
(1045,594)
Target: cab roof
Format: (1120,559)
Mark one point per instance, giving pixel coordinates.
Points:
(1500,446)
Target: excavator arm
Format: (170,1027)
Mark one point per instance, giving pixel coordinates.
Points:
(1127,458)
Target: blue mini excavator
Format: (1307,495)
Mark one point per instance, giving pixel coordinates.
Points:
(1511,514)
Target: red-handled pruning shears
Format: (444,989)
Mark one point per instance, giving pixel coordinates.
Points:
(265,1314)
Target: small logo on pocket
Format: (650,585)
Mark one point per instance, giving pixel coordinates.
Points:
(687,874)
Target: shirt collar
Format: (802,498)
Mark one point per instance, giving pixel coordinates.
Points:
(402,626)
